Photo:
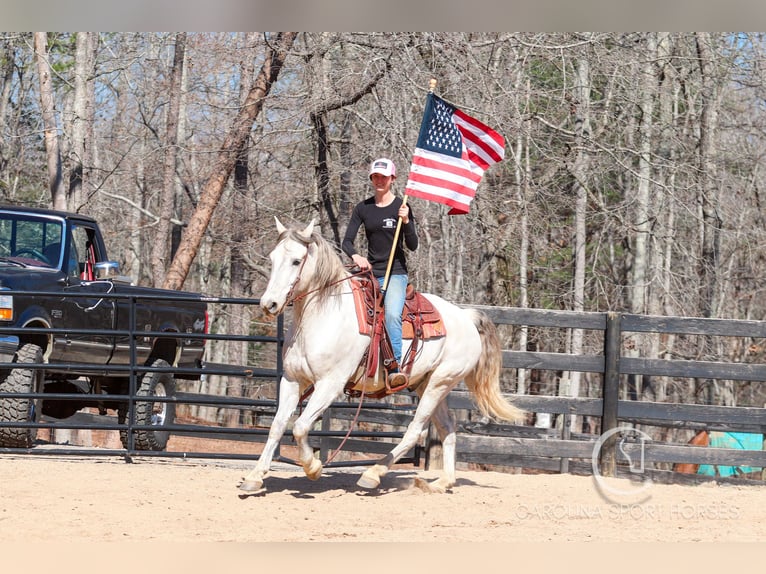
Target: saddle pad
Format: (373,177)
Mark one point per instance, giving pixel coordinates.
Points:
(419,311)
(416,307)
(364,299)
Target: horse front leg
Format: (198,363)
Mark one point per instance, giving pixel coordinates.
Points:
(289,393)
(323,396)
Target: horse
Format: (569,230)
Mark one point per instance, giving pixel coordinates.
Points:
(324,349)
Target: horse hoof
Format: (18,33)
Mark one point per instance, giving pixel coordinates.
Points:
(368,482)
(314,469)
(251,485)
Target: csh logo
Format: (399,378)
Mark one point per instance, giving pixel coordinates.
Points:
(630,448)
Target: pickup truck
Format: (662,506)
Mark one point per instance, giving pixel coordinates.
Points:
(61,260)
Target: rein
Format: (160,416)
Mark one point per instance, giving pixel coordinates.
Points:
(291,299)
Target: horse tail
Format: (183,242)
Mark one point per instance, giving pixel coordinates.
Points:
(484,381)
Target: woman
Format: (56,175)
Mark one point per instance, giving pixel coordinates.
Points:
(379,214)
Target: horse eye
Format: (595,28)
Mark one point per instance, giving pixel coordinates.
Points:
(296,262)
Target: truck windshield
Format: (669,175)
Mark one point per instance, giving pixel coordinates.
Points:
(31,239)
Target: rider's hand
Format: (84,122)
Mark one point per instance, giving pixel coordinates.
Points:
(360,262)
(404,213)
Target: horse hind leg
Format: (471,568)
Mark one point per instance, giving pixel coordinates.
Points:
(429,402)
(288,400)
(446,428)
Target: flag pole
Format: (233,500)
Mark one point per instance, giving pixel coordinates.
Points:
(431,87)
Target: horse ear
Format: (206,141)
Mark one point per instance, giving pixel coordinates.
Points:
(306,233)
(280,228)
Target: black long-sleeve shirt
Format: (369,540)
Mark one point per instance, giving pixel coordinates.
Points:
(379,227)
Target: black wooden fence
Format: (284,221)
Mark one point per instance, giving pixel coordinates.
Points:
(381,423)
(553,450)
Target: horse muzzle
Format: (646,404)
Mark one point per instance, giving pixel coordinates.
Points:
(271,306)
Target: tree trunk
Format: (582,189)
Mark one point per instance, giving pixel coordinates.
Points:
(227,157)
(7,71)
(345,203)
(580,174)
(47,106)
(522,171)
(721,392)
(239,315)
(319,121)
(80,156)
(659,301)
(642,221)
(161,247)
(708,188)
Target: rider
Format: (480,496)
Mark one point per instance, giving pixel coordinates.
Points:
(379,215)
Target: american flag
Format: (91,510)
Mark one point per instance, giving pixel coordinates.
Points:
(452,154)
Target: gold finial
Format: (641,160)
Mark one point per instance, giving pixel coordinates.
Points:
(432,85)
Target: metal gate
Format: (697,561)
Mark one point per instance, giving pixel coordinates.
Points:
(232,441)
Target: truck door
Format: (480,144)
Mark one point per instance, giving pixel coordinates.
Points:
(92,312)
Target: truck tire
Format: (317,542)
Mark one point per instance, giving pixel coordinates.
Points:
(21,380)
(159,414)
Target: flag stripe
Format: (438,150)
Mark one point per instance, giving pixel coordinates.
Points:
(459,203)
(479,127)
(424,160)
(450,187)
(479,148)
(457,194)
(482,143)
(443,181)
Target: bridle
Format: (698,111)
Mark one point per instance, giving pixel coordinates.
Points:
(289,299)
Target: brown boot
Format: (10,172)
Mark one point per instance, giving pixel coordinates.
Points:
(398,381)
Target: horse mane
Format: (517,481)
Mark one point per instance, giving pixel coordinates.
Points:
(329,270)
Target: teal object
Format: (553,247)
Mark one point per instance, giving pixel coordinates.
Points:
(733,440)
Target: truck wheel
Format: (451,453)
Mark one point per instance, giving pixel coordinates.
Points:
(21,380)
(157,414)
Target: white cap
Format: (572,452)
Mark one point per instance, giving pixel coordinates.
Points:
(383,166)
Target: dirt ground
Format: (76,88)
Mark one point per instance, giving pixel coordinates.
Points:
(77,499)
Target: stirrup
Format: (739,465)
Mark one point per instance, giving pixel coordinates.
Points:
(397,381)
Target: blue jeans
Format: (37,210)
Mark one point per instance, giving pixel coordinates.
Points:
(396,291)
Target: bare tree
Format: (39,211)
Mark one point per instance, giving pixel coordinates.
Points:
(7,73)
(708,194)
(50,128)
(81,124)
(161,247)
(239,316)
(325,98)
(581,176)
(275,56)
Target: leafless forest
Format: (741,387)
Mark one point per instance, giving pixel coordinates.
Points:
(633,177)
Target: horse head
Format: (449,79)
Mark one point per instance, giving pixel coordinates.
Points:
(287,262)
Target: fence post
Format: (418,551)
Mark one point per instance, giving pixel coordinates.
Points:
(610,391)
(433,448)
